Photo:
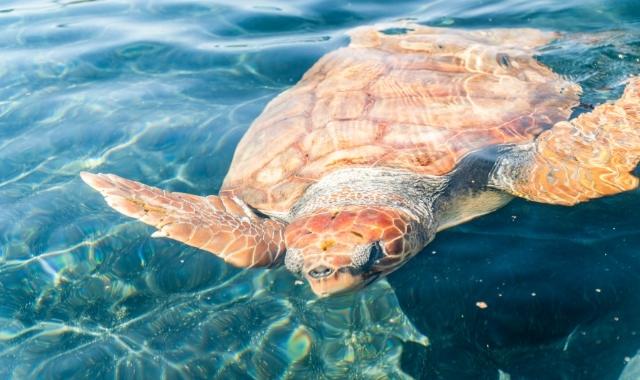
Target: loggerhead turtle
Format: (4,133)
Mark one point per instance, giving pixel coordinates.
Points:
(381,144)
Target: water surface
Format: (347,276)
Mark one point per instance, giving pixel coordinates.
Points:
(162,91)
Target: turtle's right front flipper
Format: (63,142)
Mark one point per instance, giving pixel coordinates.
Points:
(223,225)
(588,157)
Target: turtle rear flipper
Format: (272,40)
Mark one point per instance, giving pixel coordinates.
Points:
(588,157)
(222,225)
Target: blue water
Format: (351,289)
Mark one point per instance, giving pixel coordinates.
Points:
(162,91)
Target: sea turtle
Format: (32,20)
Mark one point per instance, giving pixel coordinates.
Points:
(405,132)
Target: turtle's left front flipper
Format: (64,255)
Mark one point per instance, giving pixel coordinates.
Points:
(222,225)
(588,157)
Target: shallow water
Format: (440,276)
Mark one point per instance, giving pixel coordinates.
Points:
(161,92)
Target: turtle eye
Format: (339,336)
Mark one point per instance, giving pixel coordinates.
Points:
(377,252)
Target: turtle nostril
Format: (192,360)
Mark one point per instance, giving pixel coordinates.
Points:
(320,271)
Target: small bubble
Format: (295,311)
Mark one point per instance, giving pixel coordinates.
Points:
(533,294)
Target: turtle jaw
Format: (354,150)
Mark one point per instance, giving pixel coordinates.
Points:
(342,273)
(346,249)
(336,283)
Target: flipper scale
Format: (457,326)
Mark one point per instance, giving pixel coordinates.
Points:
(585,158)
(224,226)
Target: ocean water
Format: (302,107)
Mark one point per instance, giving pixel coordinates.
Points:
(162,91)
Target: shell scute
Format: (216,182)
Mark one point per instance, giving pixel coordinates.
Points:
(346,105)
(420,101)
(361,155)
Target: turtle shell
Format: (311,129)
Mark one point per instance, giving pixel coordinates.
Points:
(416,98)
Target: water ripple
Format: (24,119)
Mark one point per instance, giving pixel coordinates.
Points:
(162,91)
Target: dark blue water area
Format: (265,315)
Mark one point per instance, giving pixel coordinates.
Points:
(162,91)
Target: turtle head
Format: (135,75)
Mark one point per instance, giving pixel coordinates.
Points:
(347,249)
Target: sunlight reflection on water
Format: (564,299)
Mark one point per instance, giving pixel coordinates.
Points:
(161,92)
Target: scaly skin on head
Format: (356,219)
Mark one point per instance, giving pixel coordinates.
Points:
(358,224)
(338,250)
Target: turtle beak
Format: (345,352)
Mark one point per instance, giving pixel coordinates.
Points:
(320,272)
(326,280)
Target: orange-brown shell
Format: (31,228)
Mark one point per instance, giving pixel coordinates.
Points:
(420,100)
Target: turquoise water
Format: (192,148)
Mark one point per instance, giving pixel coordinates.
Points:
(161,92)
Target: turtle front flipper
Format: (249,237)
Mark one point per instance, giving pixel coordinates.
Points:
(588,157)
(224,226)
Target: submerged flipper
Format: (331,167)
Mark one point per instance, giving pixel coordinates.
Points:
(588,157)
(223,225)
